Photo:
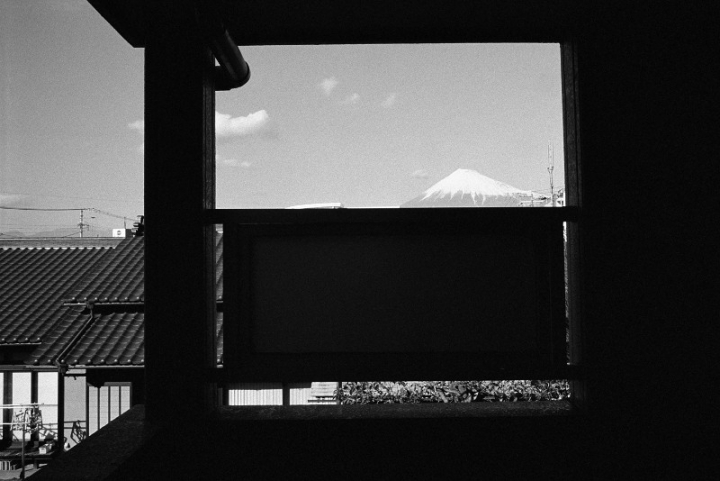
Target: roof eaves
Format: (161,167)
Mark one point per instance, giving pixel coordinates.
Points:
(96,303)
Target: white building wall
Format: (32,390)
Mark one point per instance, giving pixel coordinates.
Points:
(105,403)
(255,394)
(75,408)
(299,393)
(266,394)
(48,394)
(20,395)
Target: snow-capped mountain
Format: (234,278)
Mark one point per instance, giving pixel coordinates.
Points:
(468,188)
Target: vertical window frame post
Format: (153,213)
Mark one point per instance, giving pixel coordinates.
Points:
(179,187)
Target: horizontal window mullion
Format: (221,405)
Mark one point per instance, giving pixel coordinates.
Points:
(385,216)
(389,366)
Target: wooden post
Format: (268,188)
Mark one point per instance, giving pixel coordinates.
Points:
(7,416)
(34,437)
(179,187)
(87,407)
(61,411)
(285,394)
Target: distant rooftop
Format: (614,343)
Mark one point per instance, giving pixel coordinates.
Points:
(58,242)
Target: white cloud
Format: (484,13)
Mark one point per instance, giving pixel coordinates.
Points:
(257,123)
(328,85)
(138,125)
(389,101)
(228,127)
(420,174)
(351,99)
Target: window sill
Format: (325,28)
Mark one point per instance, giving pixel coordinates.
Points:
(256,439)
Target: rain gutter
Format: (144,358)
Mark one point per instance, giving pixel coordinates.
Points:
(63,366)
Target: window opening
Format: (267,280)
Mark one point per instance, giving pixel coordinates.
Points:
(422,125)
(372,126)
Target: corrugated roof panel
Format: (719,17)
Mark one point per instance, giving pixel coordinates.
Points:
(323,389)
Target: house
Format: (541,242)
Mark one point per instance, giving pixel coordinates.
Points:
(638,77)
(36,274)
(71,318)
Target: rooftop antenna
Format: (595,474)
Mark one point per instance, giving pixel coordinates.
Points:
(551,167)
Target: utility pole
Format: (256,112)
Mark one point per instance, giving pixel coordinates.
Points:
(82,224)
(551,167)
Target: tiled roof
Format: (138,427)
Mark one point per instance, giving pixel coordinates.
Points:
(112,339)
(120,279)
(32,285)
(219,267)
(115,337)
(59,242)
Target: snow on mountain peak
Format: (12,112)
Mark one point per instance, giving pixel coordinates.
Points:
(472,183)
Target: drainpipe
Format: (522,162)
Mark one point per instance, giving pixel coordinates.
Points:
(62,367)
(233,71)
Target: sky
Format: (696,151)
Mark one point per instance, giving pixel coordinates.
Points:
(361,125)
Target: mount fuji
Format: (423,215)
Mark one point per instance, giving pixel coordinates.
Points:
(468,188)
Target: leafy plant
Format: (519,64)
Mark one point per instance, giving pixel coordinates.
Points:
(415,392)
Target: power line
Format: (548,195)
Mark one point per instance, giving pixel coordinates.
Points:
(109,214)
(37,225)
(65,210)
(32,208)
(82,224)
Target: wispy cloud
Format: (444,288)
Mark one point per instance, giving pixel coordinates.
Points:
(9,199)
(234,162)
(138,125)
(351,99)
(420,174)
(389,101)
(328,85)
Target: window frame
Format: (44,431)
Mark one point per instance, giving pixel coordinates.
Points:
(559,367)
(180,84)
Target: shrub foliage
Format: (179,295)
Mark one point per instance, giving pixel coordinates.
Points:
(451,391)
